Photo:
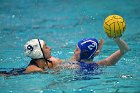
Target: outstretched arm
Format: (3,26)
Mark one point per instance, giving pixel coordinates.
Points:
(115,57)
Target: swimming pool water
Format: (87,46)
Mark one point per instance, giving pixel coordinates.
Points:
(61,23)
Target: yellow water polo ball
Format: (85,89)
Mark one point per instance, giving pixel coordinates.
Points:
(114,26)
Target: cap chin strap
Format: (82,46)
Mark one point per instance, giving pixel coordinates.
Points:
(44,54)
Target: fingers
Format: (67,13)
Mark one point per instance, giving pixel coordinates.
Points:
(101,42)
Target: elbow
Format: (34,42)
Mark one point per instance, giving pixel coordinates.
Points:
(110,63)
(124,51)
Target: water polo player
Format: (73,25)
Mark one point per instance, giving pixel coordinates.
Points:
(88,48)
(41,58)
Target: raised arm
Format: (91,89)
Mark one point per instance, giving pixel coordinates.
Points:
(115,57)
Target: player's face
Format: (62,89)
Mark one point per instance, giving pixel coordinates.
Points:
(77,53)
(47,51)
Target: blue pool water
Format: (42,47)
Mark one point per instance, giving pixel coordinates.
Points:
(61,23)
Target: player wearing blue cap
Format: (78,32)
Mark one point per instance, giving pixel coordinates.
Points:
(88,48)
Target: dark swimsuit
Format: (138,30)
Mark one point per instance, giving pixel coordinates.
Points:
(14,71)
(86,71)
(88,68)
(17,71)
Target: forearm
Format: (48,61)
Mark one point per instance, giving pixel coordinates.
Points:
(122,45)
(112,59)
(115,57)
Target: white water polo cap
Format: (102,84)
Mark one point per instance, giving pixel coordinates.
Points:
(33,50)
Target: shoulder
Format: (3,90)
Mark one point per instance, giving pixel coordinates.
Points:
(55,60)
(102,63)
(33,68)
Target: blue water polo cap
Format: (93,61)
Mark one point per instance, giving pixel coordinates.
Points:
(88,47)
